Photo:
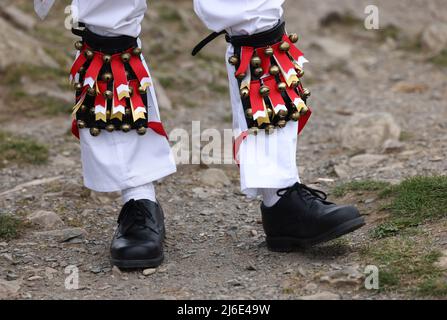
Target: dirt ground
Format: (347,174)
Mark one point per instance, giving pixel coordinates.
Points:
(215,246)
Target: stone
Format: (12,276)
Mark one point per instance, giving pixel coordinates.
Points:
(366,160)
(116,271)
(149,272)
(342,171)
(45,219)
(214,177)
(19,18)
(392,146)
(347,276)
(404,87)
(442,262)
(50,272)
(63,235)
(16,48)
(368,131)
(333,48)
(321,296)
(9,289)
(434,37)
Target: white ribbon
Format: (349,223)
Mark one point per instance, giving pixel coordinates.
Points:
(43,7)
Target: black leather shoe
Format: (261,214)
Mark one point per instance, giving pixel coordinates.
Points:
(303,218)
(138,240)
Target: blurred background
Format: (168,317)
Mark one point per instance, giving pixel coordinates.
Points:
(380,107)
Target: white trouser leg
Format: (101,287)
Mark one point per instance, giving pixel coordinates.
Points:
(115,161)
(266,161)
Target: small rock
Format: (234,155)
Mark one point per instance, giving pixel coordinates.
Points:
(254,233)
(65,235)
(366,160)
(348,276)
(9,289)
(369,131)
(49,272)
(342,171)
(321,296)
(392,146)
(45,219)
(11,276)
(442,262)
(434,38)
(35,278)
(404,87)
(149,272)
(116,271)
(311,287)
(214,177)
(3,244)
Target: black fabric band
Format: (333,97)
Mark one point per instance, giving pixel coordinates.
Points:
(259,40)
(108,45)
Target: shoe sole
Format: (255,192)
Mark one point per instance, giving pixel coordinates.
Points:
(138,264)
(289,244)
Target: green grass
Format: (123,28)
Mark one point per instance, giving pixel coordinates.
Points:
(21,150)
(363,185)
(414,201)
(9,227)
(406,266)
(440,59)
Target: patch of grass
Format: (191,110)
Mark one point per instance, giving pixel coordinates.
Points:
(34,106)
(363,185)
(21,150)
(168,13)
(406,136)
(389,31)
(405,265)
(9,227)
(347,19)
(440,59)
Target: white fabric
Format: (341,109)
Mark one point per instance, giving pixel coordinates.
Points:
(269,197)
(266,161)
(118,161)
(239,16)
(111,17)
(146,191)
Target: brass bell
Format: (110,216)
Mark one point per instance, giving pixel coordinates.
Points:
(256,62)
(125,57)
(300,71)
(142,131)
(245,93)
(108,113)
(294,37)
(126,127)
(304,110)
(295,116)
(294,84)
(95,131)
(233,60)
(81,124)
(264,91)
(107,58)
(284,46)
(241,76)
(282,86)
(270,129)
(110,127)
(107,77)
(108,95)
(83,108)
(259,72)
(77,86)
(274,70)
(142,90)
(131,91)
(269,112)
(282,123)
(306,93)
(254,131)
(136,51)
(249,113)
(89,54)
(79,45)
(91,92)
(269,51)
(283,113)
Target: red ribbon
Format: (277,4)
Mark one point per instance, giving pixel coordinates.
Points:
(119,72)
(246,54)
(256,100)
(80,61)
(138,68)
(94,68)
(293,51)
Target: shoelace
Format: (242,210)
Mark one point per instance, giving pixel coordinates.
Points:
(133,213)
(304,191)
